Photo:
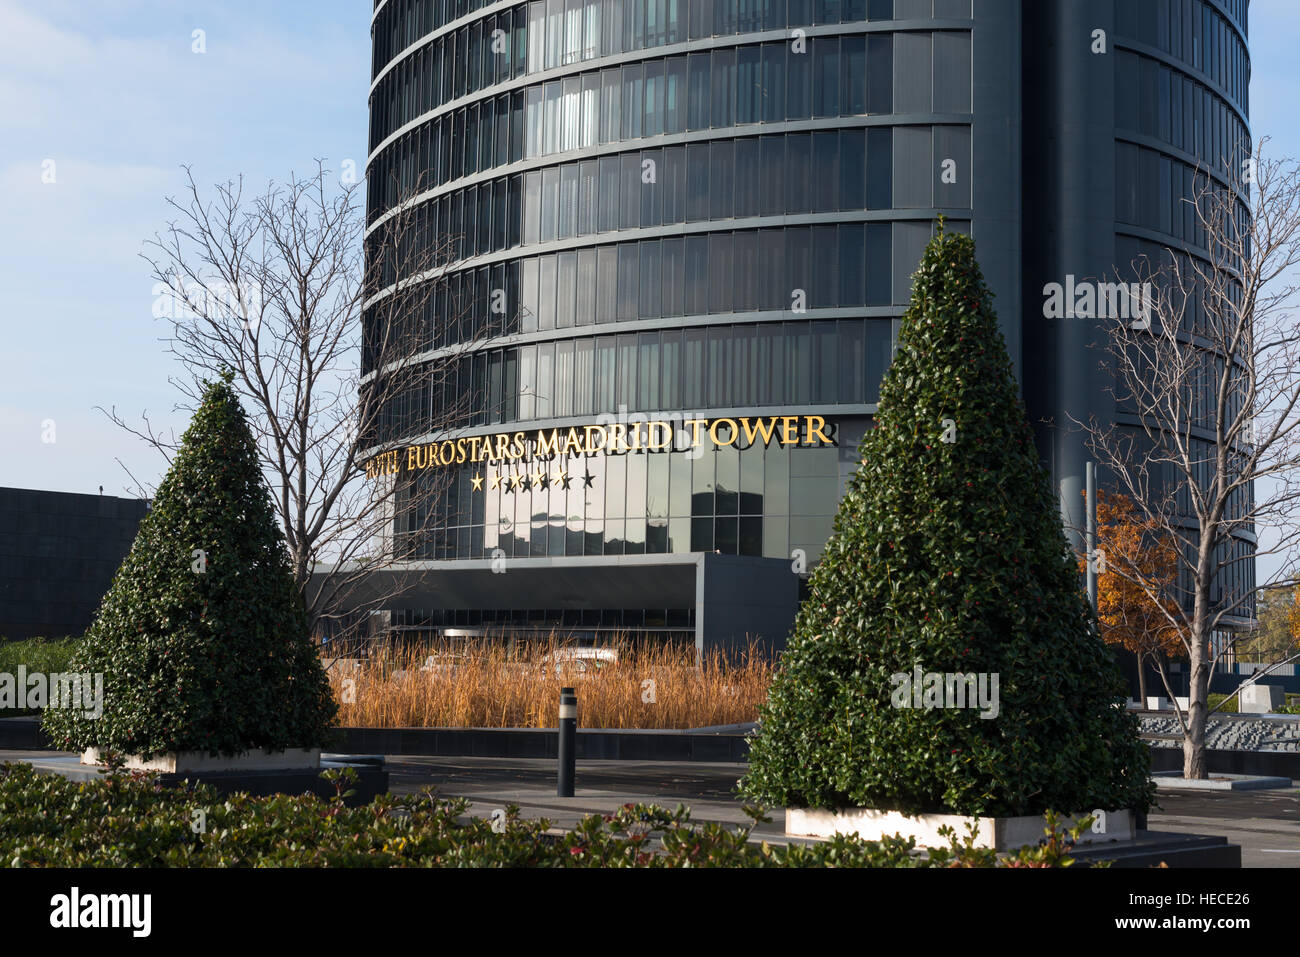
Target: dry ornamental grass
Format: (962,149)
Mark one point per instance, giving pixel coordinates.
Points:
(491,684)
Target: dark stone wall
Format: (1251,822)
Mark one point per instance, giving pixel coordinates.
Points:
(58,554)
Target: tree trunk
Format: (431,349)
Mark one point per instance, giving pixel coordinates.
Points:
(1197,702)
(1142,681)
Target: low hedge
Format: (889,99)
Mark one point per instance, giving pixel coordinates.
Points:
(129,820)
(45,655)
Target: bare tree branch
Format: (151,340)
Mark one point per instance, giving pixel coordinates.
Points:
(1206,440)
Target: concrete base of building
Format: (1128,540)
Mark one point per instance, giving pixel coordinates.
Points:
(737,600)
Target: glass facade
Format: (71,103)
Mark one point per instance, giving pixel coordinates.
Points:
(665,208)
(676,208)
(1182,127)
(762,500)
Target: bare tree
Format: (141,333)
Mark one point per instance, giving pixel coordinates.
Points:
(321,323)
(1206,393)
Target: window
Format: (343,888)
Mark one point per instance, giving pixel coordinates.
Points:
(697,273)
(546,293)
(697,182)
(772,89)
(723,81)
(852,250)
(674,277)
(568,214)
(880,164)
(720,272)
(611,100)
(630,207)
(609,207)
(563,393)
(670,368)
(584,364)
(590,128)
(672,184)
(633,111)
(651,188)
(799,84)
(566,289)
(853,165)
(748,171)
(550,203)
(628,275)
(798,158)
(826,83)
(880,73)
(586,288)
(654,98)
(675,94)
(528,295)
(825,261)
(700,97)
(748,85)
(745,285)
(588,177)
(651,282)
(826,171)
(722,162)
(607,284)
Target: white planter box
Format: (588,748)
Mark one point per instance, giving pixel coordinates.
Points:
(1261,699)
(174,762)
(1157,703)
(999,833)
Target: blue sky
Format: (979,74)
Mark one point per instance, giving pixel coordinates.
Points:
(111,91)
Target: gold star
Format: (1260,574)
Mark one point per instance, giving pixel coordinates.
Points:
(539,478)
(496,480)
(564,478)
(514,480)
(478,482)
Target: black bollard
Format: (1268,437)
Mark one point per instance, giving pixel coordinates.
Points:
(568,742)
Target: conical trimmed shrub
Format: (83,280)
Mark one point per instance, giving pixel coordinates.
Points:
(202,638)
(948,555)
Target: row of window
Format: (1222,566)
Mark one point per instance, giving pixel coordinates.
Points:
(771,537)
(473,58)
(762,365)
(719,89)
(845,266)
(794,174)
(1196,33)
(752,501)
(552,33)
(1153,100)
(1156,192)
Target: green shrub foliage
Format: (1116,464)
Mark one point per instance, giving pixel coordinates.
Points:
(202,638)
(126,820)
(948,553)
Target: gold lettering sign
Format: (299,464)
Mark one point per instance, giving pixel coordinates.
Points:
(620,438)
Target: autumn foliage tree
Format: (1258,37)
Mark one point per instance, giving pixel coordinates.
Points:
(1136,574)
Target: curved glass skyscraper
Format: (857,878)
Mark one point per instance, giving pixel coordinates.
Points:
(690,226)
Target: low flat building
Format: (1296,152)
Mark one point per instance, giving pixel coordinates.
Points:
(58,554)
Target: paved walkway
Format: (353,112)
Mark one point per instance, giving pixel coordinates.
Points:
(1265,823)
(601,787)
